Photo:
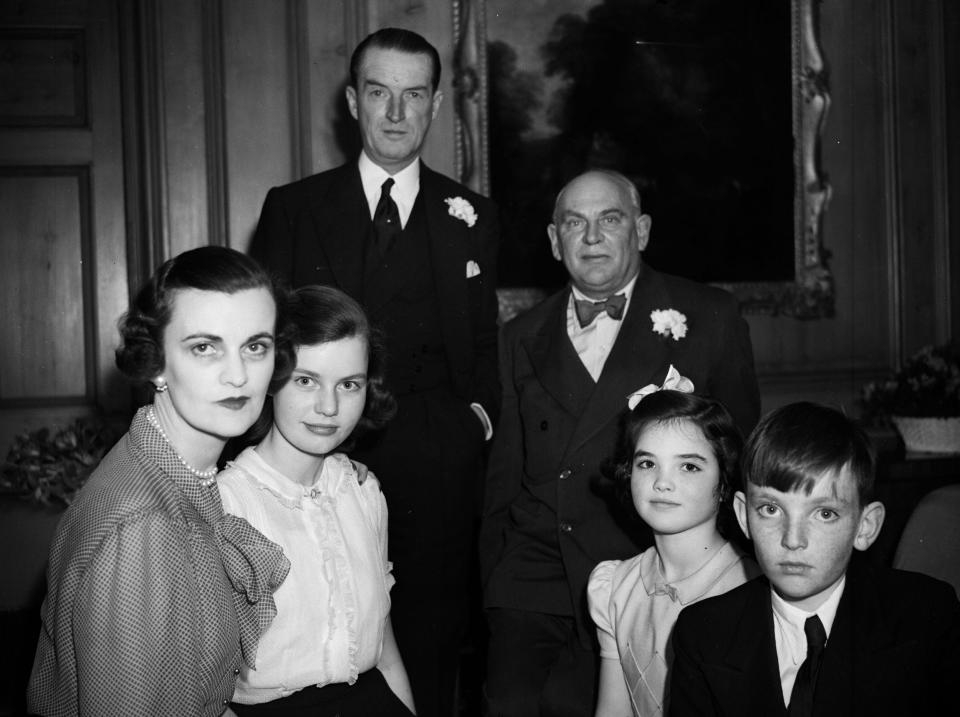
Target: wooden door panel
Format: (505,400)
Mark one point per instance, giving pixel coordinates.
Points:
(46,351)
(63,277)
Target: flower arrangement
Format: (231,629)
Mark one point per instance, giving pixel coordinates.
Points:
(51,466)
(927,386)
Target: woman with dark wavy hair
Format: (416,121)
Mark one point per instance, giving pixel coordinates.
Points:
(156,596)
(331,650)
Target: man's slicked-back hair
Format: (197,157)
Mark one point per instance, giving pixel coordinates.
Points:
(395,38)
(794,446)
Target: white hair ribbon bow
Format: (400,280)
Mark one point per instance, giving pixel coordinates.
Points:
(673,382)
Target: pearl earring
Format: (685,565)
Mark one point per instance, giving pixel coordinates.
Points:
(160,385)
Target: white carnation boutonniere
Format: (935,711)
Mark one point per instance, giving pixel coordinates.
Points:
(462,210)
(669,322)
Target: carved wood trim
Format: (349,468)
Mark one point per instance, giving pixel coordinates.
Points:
(215,127)
(141,72)
(893,219)
(811,294)
(471,132)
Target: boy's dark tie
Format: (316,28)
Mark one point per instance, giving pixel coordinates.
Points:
(801,698)
(386,219)
(588,310)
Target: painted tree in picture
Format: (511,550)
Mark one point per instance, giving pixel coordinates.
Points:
(691,100)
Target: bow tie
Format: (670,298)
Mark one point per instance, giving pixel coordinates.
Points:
(588,310)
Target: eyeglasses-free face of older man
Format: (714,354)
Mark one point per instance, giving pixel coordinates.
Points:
(598,233)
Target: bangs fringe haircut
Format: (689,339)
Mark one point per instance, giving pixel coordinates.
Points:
(795,446)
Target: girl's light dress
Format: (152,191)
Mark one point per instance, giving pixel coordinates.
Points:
(635,609)
(333,606)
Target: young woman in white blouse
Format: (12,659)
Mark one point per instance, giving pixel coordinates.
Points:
(330,650)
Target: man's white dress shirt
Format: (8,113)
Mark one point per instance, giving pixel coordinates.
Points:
(594,342)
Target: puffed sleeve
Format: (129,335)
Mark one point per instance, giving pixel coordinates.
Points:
(135,624)
(376,507)
(599,594)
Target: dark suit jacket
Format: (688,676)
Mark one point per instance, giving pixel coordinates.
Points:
(894,650)
(313,232)
(557,426)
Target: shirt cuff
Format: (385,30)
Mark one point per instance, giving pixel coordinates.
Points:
(484,419)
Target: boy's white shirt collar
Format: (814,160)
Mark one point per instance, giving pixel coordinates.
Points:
(791,641)
(827,612)
(404,191)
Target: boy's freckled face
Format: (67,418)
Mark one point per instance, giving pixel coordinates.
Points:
(803,542)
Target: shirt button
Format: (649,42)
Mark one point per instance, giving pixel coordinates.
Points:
(566,528)
(236,670)
(226,703)
(544,425)
(565,473)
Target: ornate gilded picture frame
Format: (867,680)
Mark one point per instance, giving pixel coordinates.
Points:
(804,290)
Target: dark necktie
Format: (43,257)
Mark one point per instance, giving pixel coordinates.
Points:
(801,698)
(588,310)
(386,219)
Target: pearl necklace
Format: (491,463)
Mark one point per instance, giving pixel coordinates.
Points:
(207,477)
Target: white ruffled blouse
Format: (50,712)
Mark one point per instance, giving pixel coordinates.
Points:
(332,608)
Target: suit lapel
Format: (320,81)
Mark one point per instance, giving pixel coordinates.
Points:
(862,657)
(833,695)
(450,248)
(556,363)
(638,357)
(749,679)
(342,222)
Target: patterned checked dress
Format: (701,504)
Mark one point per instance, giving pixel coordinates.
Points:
(154,594)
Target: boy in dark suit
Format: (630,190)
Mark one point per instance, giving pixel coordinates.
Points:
(817,634)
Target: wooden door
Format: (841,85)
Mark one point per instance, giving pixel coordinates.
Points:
(63,257)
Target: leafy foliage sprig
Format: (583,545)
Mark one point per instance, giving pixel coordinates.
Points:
(50,467)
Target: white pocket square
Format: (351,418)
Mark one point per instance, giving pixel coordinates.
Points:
(473,269)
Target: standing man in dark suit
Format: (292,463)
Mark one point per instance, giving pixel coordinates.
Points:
(418,250)
(567,367)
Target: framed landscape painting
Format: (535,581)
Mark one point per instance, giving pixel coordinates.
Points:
(712,108)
